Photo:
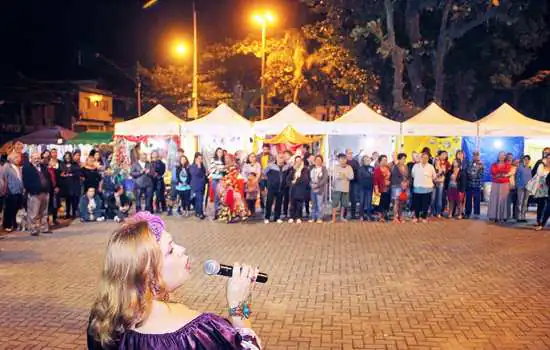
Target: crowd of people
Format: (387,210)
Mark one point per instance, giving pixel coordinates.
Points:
(284,187)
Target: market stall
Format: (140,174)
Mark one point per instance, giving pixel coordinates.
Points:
(363,130)
(40,140)
(506,121)
(223,127)
(294,116)
(85,141)
(157,129)
(435,121)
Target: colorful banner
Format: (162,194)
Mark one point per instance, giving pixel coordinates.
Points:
(417,143)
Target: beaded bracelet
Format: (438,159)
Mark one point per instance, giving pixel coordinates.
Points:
(243,310)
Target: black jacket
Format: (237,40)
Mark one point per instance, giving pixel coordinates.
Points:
(365,177)
(354,164)
(299,189)
(34,181)
(276,177)
(69,179)
(461,181)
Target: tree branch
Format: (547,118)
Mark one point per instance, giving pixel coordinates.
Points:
(458,31)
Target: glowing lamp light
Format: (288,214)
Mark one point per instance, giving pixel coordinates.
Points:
(497,144)
(180,49)
(95,99)
(264,19)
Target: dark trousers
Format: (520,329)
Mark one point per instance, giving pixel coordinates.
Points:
(473,201)
(307,204)
(53,205)
(286,200)
(273,197)
(71,206)
(263,193)
(160,199)
(422,204)
(185,199)
(147,193)
(546,214)
(365,207)
(198,198)
(13,203)
(296,208)
(542,203)
(385,201)
(2,201)
(354,197)
(251,205)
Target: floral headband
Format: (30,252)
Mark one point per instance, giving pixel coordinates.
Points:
(155,223)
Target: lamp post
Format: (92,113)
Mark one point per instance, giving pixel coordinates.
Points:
(194,111)
(263,20)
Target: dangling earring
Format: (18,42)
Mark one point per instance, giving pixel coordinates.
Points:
(155,288)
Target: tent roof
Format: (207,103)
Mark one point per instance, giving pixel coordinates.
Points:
(360,120)
(47,136)
(290,135)
(435,121)
(92,138)
(158,121)
(506,121)
(221,121)
(294,116)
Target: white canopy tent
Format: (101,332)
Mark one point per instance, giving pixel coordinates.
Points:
(435,121)
(362,120)
(157,122)
(222,121)
(506,121)
(294,116)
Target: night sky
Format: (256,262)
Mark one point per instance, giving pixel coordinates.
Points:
(44,39)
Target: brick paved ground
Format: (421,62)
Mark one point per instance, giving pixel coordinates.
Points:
(445,285)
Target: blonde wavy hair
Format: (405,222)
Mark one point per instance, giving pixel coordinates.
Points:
(130,280)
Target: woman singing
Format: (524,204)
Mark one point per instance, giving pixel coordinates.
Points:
(142,266)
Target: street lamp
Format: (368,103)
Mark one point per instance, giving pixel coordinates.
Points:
(181,50)
(263,19)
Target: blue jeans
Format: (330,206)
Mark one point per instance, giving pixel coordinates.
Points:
(197,203)
(365,209)
(473,195)
(317,206)
(215,183)
(437,200)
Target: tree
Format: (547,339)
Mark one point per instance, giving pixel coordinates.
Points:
(172,84)
(420,36)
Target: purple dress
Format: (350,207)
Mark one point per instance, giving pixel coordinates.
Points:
(206,332)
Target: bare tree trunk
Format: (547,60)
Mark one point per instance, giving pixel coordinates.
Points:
(414,68)
(441,53)
(398,59)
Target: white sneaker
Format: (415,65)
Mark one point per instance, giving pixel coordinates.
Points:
(298,221)
(319,221)
(290,221)
(100,219)
(279,221)
(266,221)
(311,220)
(117,219)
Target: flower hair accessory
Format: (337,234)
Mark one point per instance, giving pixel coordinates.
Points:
(156,224)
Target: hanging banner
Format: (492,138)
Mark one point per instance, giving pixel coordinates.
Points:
(417,143)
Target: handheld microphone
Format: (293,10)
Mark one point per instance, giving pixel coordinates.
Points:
(212,267)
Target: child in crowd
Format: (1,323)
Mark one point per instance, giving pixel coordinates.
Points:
(252,190)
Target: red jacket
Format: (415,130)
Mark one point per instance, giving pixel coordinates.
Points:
(500,172)
(381,179)
(53,176)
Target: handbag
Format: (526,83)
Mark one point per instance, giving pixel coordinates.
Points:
(537,186)
(376,199)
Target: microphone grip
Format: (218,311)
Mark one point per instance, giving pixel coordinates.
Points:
(227,271)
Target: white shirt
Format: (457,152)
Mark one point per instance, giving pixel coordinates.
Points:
(423,175)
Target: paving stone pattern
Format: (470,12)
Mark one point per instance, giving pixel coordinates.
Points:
(443,285)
